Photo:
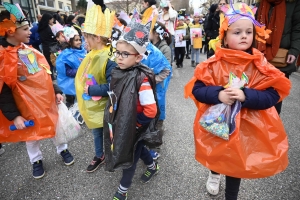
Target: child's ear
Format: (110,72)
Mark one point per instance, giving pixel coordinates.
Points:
(10,33)
(98,39)
(139,58)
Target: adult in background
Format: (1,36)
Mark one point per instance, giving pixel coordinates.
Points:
(71,21)
(35,37)
(147,4)
(47,38)
(58,18)
(285,32)
(215,19)
(169,19)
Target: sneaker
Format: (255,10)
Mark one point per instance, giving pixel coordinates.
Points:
(95,164)
(213,183)
(67,157)
(187,57)
(154,154)
(2,151)
(146,177)
(120,196)
(38,170)
(193,64)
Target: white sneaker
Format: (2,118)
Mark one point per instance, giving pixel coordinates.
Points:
(2,151)
(213,183)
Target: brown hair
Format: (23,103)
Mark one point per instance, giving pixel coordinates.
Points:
(167,37)
(105,41)
(71,42)
(253,45)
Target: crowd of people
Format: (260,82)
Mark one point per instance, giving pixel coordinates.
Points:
(114,69)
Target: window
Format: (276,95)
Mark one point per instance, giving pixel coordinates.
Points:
(61,5)
(50,3)
(42,2)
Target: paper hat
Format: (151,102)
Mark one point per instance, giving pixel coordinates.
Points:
(70,32)
(17,18)
(97,22)
(237,11)
(197,12)
(163,4)
(181,18)
(181,12)
(137,35)
(56,28)
(160,31)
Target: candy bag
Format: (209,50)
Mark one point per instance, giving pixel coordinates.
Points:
(216,120)
(220,119)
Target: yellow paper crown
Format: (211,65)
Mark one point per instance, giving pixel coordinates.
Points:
(99,23)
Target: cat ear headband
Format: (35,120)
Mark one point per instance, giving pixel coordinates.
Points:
(237,11)
(160,31)
(137,35)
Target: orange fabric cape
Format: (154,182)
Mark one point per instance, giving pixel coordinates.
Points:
(258,147)
(34,97)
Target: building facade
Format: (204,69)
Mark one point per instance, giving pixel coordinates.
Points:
(52,6)
(27,5)
(35,7)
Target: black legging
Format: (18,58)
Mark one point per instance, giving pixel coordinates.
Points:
(232,187)
(179,54)
(279,104)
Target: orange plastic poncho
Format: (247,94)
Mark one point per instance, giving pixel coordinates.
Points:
(258,147)
(34,97)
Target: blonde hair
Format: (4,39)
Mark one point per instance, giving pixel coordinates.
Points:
(105,41)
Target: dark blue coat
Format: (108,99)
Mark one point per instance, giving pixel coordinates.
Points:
(255,99)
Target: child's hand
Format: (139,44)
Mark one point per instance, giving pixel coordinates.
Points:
(236,94)
(59,98)
(225,98)
(86,89)
(19,122)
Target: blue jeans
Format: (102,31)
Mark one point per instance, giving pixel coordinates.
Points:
(197,53)
(98,141)
(141,152)
(172,48)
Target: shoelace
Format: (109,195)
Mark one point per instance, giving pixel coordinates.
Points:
(214,179)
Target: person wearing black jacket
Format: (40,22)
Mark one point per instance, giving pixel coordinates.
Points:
(71,22)
(47,38)
(213,23)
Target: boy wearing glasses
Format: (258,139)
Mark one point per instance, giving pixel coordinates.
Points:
(130,110)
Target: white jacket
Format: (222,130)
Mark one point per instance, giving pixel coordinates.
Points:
(169,20)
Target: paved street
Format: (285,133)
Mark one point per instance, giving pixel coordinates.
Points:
(180,177)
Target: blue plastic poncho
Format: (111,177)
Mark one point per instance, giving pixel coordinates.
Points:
(157,62)
(73,58)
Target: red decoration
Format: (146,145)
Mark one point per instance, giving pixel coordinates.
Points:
(127,29)
(139,34)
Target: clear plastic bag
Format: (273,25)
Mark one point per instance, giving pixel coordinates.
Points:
(216,120)
(220,119)
(76,114)
(67,128)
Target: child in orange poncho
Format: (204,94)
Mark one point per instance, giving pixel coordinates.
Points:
(258,146)
(26,90)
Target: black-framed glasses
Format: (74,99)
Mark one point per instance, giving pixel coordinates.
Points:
(124,54)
